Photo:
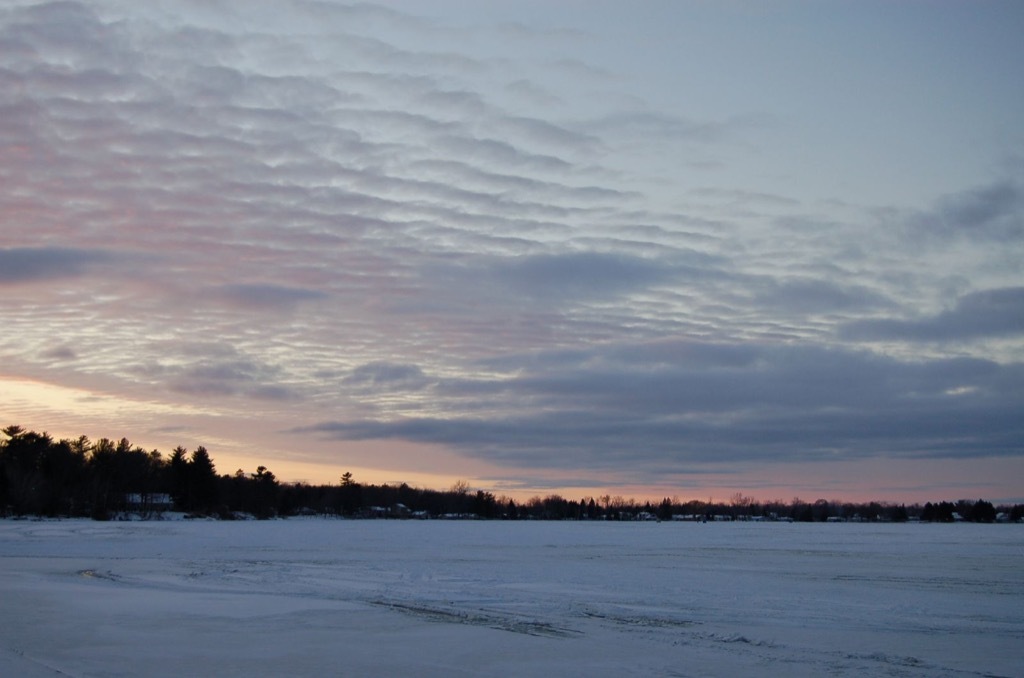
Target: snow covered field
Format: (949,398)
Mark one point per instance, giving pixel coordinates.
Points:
(389,598)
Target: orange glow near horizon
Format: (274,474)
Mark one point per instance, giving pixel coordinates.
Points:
(69,412)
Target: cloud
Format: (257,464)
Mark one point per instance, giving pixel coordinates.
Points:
(495,152)
(387,376)
(60,354)
(213,370)
(582,275)
(453,234)
(263,296)
(650,125)
(981,314)
(539,95)
(519,186)
(812,295)
(209,379)
(996,210)
(991,212)
(58,29)
(559,282)
(680,403)
(548,134)
(29,264)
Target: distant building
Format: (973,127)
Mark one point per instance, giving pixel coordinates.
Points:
(148,501)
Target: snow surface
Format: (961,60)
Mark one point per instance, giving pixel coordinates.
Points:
(389,598)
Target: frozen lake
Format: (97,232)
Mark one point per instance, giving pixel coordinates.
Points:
(389,598)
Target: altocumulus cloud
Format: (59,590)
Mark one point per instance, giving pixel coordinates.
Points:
(387,376)
(210,378)
(266,296)
(26,264)
(578,275)
(986,313)
(516,240)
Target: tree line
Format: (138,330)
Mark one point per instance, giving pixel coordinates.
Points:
(105,478)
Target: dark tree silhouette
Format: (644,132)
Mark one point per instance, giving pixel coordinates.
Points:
(982,512)
(41,476)
(265,493)
(202,481)
(24,462)
(177,477)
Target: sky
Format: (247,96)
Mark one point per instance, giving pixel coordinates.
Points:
(680,249)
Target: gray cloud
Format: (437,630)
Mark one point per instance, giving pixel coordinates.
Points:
(26,264)
(990,212)
(810,295)
(500,153)
(548,134)
(580,275)
(60,354)
(648,125)
(531,297)
(267,296)
(520,185)
(679,403)
(220,377)
(996,210)
(211,371)
(388,376)
(446,241)
(534,92)
(986,313)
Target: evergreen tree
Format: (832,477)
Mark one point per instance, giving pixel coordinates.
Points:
(264,493)
(178,477)
(202,481)
(982,512)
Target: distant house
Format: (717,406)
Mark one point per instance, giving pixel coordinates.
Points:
(148,501)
